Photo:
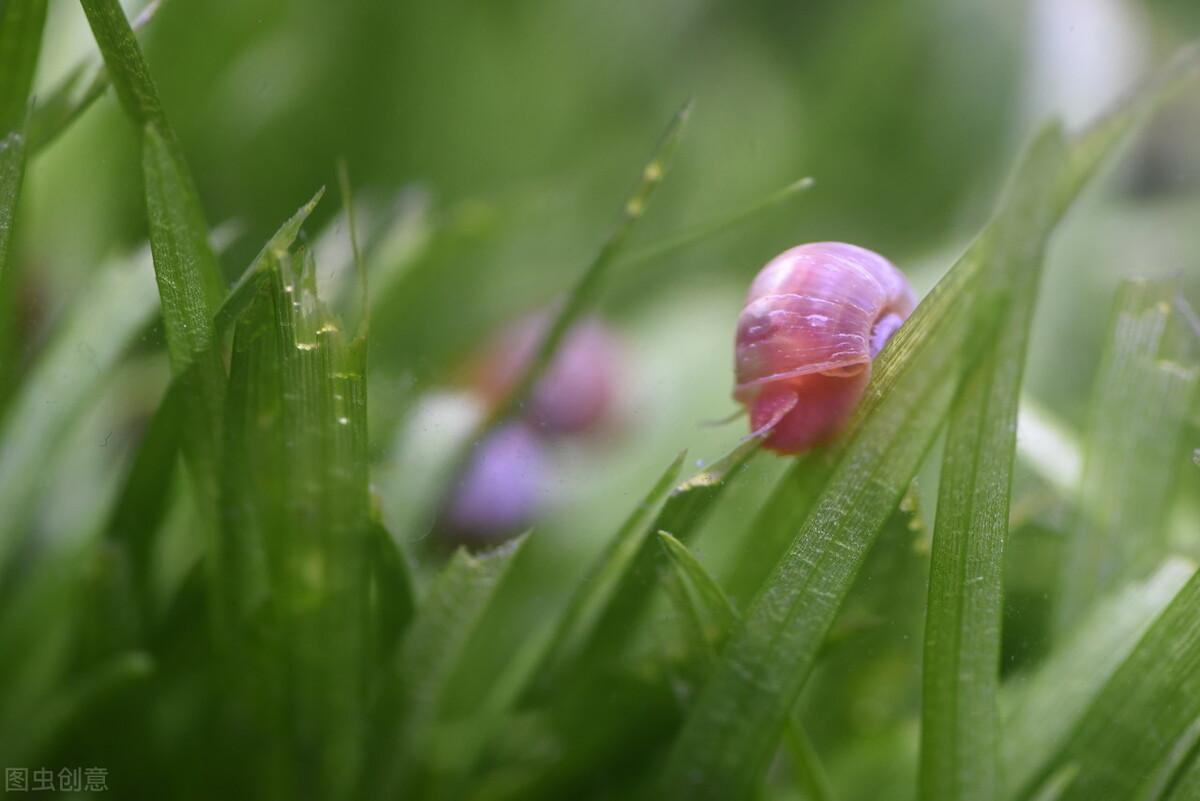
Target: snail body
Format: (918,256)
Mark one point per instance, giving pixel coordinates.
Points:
(815,317)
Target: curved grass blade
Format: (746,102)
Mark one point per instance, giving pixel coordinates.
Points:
(1146,712)
(960,756)
(736,722)
(712,228)
(685,509)
(703,599)
(67,101)
(708,598)
(142,499)
(731,730)
(1040,711)
(1132,461)
(431,648)
(586,603)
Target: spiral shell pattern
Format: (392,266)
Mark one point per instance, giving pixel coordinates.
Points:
(815,317)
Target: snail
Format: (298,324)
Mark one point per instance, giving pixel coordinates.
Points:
(815,317)
(501,491)
(575,394)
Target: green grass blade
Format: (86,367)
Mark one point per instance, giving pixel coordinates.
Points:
(113,308)
(587,289)
(296,516)
(1186,783)
(21,24)
(703,597)
(703,231)
(143,499)
(242,291)
(710,599)
(587,601)
(1040,710)
(126,65)
(393,597)
(1145,715)
(189,280)
(685,509)
(960,756)
(731,730)
(739,716)
(771,530)
(431,648)
(67,101)
(1132,461)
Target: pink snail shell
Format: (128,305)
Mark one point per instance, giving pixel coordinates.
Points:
(577,391)
(815,317)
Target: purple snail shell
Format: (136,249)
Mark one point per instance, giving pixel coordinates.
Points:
(815,317)
(576,391)
(500,493)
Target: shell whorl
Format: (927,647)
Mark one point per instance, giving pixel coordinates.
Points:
(814,313)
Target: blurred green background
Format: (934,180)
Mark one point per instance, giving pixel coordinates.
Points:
(492,143)
(495,140)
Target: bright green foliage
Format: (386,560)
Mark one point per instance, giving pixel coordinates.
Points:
(296,520)
(959,723)
(408,754)
(728,737)
(250,624)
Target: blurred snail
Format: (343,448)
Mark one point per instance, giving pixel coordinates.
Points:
(500,493)
(814,319)
(576,391)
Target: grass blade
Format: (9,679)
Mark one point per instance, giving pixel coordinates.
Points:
(431,648)
(703,597)
(587,602)
(189,280)
(297,526)
(705,230)
(1132,462)
(21,26)
(681,516)
(710,599)
(1129,737)
(1041,710)
(67,101)
(114,307)
(740,714)
(731,730)
(587,289)
(961,666)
